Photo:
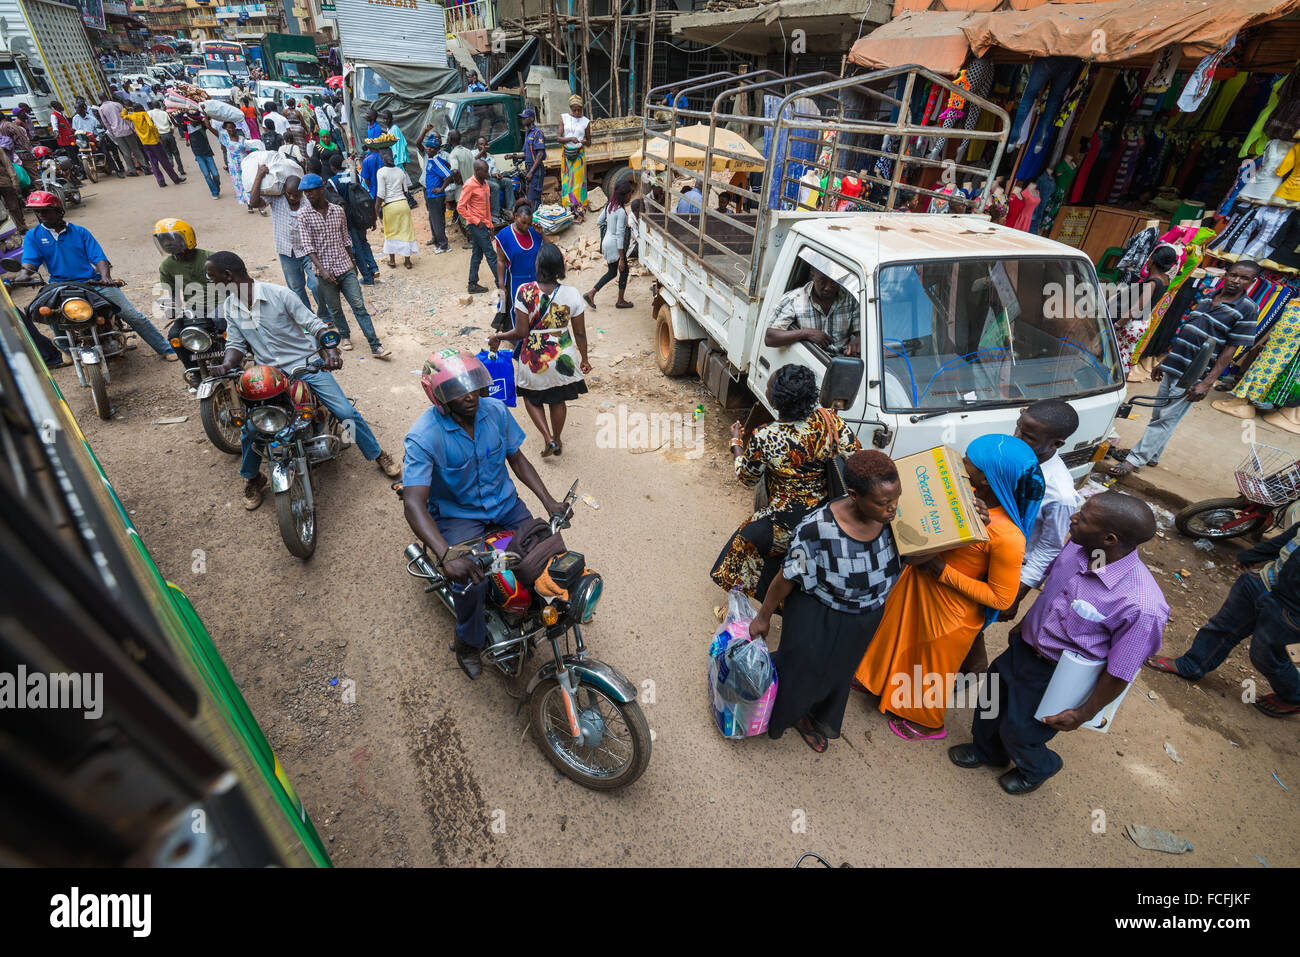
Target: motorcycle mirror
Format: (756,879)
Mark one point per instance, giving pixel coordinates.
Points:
(11,264)
(1196,368)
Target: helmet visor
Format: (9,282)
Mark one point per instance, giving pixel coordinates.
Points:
(171,243)
(467,379)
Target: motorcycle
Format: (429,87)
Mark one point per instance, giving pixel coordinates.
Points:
(583,713)
(293,430)
(1269,482)
(87,327)
(92,155)
(200,342)
(55,180)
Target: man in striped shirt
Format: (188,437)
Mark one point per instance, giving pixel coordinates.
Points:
(1099,601)
(1227,320)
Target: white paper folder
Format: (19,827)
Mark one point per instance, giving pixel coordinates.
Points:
(1072,681)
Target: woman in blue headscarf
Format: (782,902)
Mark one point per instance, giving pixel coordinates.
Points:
(941,602)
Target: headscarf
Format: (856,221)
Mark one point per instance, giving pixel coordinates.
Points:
(575,100)
(1011,469)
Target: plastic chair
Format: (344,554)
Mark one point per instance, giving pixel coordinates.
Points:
(1106,270)
(1187,210)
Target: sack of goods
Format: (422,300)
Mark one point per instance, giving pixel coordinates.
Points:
(742,677)
(278,169)
(174,102)
(190,92)
(222,112)
(550,218)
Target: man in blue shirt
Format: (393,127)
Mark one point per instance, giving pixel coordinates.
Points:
(436,173)
(475,84)
(534,155)
(370,167)
(455,484)
(70,253)
(691,200)
(373,128)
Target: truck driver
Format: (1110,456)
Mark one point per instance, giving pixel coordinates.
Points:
(821,312)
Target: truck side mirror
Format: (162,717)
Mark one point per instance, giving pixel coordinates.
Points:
(1196,368)
(841,383)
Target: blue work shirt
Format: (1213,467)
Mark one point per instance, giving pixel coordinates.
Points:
(476,88)
(534,146)
(467,478)
(370,167)
(690,201)
(374,130)
(67,257)
(436,174)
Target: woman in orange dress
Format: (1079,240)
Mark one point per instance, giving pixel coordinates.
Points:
(942,602)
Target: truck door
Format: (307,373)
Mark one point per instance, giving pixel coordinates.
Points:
(804,259)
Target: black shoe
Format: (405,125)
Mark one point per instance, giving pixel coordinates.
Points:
(1013,782)
(468,659)
(476,288)
(965,756)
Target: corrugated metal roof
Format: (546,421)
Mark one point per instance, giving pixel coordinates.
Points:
(919,236)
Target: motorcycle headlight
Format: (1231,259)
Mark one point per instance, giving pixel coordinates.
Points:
(195,339)
(268,419)
(583,599)
(77,310)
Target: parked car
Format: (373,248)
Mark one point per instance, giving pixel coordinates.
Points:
(218,84)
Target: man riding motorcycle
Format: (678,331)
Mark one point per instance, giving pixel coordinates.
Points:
(184,279)
(455,485)
(70,254)
(280,331)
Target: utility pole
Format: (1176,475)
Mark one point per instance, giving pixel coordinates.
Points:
(650,50)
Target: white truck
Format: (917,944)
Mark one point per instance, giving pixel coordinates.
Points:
(960,323)
(46,56)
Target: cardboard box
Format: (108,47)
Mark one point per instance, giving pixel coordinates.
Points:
(937,509)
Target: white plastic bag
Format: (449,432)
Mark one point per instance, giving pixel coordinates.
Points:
(742,676)
(278,169)
(221,111)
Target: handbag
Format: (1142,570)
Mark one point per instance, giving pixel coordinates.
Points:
(410,198)
(835,485)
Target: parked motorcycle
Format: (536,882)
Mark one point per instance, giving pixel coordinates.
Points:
(1269,481)
(87,327)
(200,342)
(54,179)
(583,713)
(92,155)
(294,431)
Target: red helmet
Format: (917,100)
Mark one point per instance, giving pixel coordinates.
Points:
(41,152)
(40,199)
(449,374)
(261,382)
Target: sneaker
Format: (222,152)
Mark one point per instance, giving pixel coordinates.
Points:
(391,468)
(171,356)
(476,288)
(346,345)
(380,353)
(253,489)
(441,249)
(367,282)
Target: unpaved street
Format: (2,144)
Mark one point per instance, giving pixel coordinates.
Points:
(426,768)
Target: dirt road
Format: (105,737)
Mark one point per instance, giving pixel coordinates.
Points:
(426,768)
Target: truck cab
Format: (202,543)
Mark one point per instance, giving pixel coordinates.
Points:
(20,84)
(494,115)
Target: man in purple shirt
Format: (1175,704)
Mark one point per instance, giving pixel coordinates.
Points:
(1099,601)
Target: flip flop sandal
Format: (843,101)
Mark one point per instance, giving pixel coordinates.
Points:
(1119,471)
(559,447)
(624,305)
(549,450)
(913,734)
(1275,707)
(1165,664)
(586,296)
(1118,454)
(810,738)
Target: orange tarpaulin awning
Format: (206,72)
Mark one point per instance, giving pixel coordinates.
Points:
(1098,32)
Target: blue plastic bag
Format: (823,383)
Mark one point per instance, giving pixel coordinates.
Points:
(501,367)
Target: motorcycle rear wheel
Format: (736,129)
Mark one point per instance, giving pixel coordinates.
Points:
(297,520)
(624,724)
(1206,519)
(98,391)
(92,173)
(224,437)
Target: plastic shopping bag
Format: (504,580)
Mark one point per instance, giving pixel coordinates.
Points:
(742,676)
(501,366)
(222,112)
(278,169)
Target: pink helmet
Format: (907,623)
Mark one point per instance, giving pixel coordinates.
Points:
(450,374)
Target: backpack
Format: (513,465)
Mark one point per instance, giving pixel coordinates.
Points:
(359,206)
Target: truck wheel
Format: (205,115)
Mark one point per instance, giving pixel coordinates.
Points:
(613,177)
(672,354)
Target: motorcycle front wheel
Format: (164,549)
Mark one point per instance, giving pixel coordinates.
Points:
(98,391)
(214,411)
(92,172)
(1206,519)
(297,519)
(615,760)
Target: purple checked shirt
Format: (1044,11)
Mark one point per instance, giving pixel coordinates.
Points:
(1115,614)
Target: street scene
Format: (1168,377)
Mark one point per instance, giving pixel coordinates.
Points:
(869,432)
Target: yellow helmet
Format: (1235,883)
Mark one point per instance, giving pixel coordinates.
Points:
(173,236)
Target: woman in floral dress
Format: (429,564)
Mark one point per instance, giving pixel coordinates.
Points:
(552,356)
(236,146)
(791,454)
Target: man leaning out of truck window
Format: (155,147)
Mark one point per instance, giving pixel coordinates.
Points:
(821,312)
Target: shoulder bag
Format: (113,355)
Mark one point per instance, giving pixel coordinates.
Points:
(835,485)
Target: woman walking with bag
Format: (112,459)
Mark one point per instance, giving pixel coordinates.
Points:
(393,206)
(575,137)
(552,353)
(614,239)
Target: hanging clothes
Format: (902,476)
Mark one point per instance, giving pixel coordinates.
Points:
(1257,139)
(1023,218)
(1227,95)
(1085,168)
(1286,244)
(1198,84)
(1284,122)
(1137,249)
(1277,355)
(1267,180)
(1288,191)
(1161,75)
(1246,172)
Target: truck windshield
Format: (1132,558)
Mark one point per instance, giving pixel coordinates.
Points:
(368,84)
(11,80)
(966,333)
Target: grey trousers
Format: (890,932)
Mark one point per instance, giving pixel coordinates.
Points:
(1164,419)
(132,152)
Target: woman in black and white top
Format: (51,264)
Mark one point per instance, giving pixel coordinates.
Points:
(614,244)
(839,568)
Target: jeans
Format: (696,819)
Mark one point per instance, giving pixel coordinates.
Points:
(1014,734)
(1056,70)
(1249,609)
(364,255)
(501,192)
(208,167)
(168,143)
(135,319)
(349,287)
(437,207)
(468,598)
(480,238)
(132,152)
(158,162)
(301,278)
(112,158)
(612,270)
(1164,419)
(331,396)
